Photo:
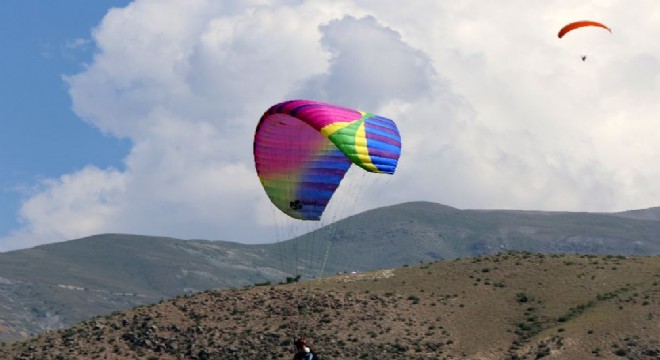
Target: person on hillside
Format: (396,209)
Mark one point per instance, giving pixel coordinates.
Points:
(303,352)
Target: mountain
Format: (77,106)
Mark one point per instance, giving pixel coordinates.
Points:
(422,231)
(50,286)
(56,285)
(643,214)
(513,305)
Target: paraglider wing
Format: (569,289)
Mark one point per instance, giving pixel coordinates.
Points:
(303,149)
(579,24)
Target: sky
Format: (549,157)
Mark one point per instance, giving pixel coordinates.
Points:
(138,116)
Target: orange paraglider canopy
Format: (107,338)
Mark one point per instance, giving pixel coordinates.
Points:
(579,24)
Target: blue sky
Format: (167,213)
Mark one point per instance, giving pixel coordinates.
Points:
(138,117)
(41,137)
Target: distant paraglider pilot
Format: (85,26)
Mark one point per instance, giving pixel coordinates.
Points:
(581,24)
(303,352)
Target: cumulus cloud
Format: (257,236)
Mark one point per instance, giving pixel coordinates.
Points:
(494,110)
(369,66)
(74,205)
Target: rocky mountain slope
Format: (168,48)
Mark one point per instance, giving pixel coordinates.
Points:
(55,285)
(504,306)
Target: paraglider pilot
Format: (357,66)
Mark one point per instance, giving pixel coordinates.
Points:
(303,352)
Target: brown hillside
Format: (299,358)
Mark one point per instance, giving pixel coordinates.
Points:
(506,306)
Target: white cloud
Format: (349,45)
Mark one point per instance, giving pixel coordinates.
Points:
(495,111)
(369,66)
(74,205)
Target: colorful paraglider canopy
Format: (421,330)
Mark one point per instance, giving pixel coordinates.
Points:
(303,149)
(579,24)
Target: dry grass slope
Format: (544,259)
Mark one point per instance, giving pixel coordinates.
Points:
(504,306)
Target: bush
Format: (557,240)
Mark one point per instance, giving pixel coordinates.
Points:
(621,352)
(522,297)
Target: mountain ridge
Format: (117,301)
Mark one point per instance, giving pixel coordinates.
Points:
(510,305)
(54,285)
